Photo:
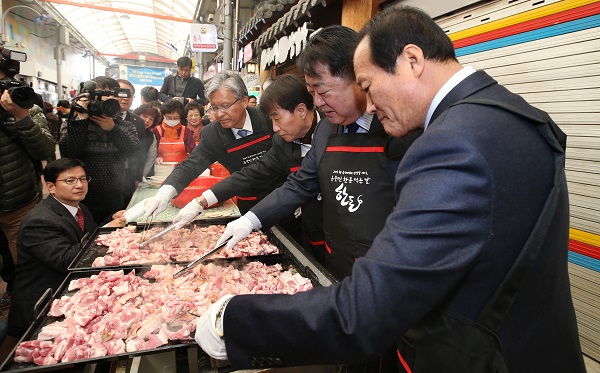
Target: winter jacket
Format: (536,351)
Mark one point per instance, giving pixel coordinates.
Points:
(23,145)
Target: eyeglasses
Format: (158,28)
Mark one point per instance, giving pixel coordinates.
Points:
(222,108)
(74,180)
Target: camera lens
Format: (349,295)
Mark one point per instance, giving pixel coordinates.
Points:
(25,97)
(110,107)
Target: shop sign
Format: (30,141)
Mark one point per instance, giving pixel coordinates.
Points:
(251,80)
(247,52)
(203,37)
(287,47)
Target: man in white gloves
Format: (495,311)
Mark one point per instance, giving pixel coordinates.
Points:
(452,279)
(242,136)
(291,109)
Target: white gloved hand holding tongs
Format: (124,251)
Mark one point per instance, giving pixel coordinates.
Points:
(240,229)
(188,213)
(155,205)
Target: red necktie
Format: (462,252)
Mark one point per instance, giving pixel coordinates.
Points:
(80,219)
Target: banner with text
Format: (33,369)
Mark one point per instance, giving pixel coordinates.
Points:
(145,75)
(203,37)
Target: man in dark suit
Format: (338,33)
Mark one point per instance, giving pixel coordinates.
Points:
(134,165)
(182,84)
(241,136)
(473,192)
(50,238)
(292,111)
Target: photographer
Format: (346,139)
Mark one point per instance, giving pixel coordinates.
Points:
(182,85)
(102,140)
(25,141)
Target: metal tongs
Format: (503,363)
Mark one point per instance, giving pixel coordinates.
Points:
(167,229)
(188,267)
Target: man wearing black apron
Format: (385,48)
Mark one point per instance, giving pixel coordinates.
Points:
(470,272)
(292,111)
(241,136)
(352,164)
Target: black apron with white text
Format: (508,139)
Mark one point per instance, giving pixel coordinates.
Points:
(357,193)
(242,152)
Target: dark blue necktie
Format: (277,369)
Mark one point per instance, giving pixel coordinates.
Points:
(352,128)
(243,133)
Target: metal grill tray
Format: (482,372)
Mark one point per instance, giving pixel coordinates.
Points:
(293,257)
(90,250)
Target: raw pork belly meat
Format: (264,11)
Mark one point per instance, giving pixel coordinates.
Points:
(183,245)
(115,313)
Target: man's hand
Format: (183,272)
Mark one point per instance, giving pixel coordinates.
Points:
(119,214)
(155,205)
(187,214)
(104,122)
(206,330)
(237,230)
(13,109)
(117,223)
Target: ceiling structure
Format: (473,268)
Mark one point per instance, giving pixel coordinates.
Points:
(155,29)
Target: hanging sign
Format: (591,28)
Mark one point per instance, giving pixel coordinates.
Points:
(203,37)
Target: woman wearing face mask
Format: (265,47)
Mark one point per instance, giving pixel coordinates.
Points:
(172,146)
(193,114)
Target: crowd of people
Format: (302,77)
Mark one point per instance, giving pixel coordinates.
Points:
(404,173)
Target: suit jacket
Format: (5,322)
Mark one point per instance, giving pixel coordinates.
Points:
(211,149)
(194,89)
(304,184)
(468,192)
(49,239)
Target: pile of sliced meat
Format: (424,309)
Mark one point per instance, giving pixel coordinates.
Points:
(183,245)
(114,313)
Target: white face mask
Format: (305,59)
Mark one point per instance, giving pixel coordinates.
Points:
(171,122)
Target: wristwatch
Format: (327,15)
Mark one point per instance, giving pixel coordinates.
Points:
(199,201)
(219,319)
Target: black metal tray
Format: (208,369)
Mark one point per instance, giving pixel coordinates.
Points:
(292,256)
(90,250)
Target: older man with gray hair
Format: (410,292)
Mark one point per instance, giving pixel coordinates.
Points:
(242,135)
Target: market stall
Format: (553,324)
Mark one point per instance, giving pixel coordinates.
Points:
(82,304)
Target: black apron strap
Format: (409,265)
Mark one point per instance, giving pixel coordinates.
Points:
(497,307)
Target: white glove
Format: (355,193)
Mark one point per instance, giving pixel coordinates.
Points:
(206,332)
(188,214)
(157,204)
(237,230)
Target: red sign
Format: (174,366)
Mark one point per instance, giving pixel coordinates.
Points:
(247,52)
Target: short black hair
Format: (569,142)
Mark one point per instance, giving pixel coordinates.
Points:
(184,62)
(105,82)
(149,93)
(286,91)
(172,106)
(63,103)
(54,168)
(333,46)
(394,28)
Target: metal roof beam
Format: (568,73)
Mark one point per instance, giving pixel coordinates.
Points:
(119,10)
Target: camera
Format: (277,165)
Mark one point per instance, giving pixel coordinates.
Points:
(20,93)
(96,105)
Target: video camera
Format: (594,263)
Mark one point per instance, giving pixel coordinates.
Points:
(20,93)
(96,105)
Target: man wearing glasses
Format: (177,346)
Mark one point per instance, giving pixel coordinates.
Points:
(50,238)
(241,136)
